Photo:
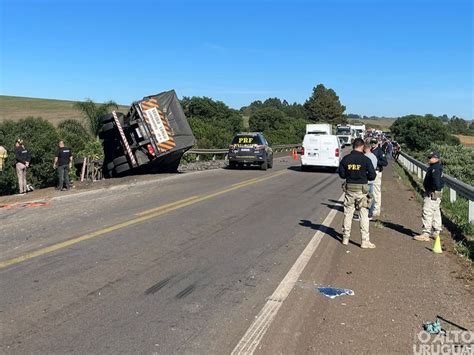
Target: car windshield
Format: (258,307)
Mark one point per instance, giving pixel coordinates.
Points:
(246,140)
(343,131)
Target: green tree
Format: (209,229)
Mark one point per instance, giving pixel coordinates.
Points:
(419,132)
(213,122)
(267,118)
(93,111)
(74,135)
(324,106)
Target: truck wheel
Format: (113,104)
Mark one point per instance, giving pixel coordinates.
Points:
(264,165)
(120,160)
(270,164)
(232,165)
(121,168)
(304,168)
(110,165)
(106,129)
(106,118)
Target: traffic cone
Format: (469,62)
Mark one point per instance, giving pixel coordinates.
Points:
(437,245)
(295,154)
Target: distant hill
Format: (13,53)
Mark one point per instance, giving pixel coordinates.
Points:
(55,111)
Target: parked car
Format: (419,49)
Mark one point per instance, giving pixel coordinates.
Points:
(320,150)
(250,148)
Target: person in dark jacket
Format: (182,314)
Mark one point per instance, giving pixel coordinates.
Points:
(381,163)
(433,185)
(357,170)
(23,158)
(63,162)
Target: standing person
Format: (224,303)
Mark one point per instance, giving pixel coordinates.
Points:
(23,158)
(389,150)
(63,162)
(3,157)
(433,184)
(381,163)
(373,159)
(357,170)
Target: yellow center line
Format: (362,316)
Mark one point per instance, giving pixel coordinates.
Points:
(142,216)
(164,207)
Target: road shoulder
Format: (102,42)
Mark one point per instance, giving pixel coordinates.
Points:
(398,286)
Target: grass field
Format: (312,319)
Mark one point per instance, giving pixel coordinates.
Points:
(15,108)
(466,140)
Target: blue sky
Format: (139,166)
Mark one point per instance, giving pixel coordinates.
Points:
(381,57)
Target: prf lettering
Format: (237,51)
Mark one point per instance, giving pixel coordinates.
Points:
(245,140)
(353,166)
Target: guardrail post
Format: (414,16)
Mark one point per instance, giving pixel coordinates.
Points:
(419,172)
(452,195)
(197,157)
(471,211)
(423,174)
(214,157)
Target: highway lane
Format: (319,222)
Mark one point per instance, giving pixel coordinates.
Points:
(189,280)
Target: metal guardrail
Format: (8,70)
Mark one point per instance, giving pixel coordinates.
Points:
(455,186)
(224,152)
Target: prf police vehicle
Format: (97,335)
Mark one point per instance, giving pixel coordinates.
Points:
(250,149)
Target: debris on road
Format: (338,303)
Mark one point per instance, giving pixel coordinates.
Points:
(333,292)
(30,204)
(433,327)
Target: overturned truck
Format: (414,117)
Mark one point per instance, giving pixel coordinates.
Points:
(151,137)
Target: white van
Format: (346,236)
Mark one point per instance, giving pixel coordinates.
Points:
(320,150)
(319,128)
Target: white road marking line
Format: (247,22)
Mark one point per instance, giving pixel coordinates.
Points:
(265,317)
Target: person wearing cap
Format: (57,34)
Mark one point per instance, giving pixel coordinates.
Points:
(23,158)
(357,170)
(433,184)
(381,163)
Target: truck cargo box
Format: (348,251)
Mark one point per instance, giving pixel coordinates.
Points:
(151,137)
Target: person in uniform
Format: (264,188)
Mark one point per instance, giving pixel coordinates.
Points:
(433,184)
(63,162)
(381,163)
(357,170)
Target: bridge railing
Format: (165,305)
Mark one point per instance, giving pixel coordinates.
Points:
(455,186)
(223,153)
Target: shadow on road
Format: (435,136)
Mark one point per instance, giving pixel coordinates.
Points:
(312,170)
(336,207)
(399,228)
(326,230)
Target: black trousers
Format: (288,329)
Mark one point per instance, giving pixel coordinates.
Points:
(63,176)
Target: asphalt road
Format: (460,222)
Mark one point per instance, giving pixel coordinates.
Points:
(179,265)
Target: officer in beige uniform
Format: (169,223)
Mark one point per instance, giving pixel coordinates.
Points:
(357,170)
(433,185)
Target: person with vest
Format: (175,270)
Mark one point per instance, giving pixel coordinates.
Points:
(381,163)
(357,170)
(433,185)
(63,162)
(23,159)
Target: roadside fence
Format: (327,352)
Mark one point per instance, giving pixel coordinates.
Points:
(223,153)
(455,186)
